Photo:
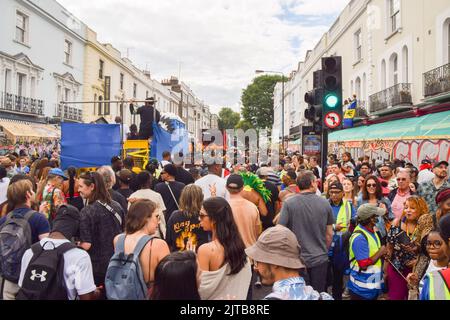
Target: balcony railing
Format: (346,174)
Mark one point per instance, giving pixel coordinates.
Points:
(436,81)
(397,95)
(66,112)
(15,103)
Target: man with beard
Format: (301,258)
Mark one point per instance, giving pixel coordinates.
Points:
(430,189)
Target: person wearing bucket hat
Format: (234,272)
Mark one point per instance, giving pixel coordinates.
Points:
(276,257)
(365,253)
(430,189)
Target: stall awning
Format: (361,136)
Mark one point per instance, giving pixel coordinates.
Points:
(28,131)
(430,126)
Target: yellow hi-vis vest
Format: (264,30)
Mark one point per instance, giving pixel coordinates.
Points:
(372,277)
(438,289)
(344,216)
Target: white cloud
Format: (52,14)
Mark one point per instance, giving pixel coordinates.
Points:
(218,42)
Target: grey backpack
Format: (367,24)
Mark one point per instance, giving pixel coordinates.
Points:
(124,276)
(15,239)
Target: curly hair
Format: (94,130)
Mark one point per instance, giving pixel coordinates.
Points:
(420,205)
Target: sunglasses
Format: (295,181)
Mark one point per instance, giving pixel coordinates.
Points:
(435,244)
(371,185)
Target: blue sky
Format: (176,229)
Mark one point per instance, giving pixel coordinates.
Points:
(219,43)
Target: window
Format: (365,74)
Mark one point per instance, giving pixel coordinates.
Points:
(448,42)
(7,80)
(32,87)
(100,105)
(21,27)
(68,52)
(146,94)
(393,70)
(21,78)
(134,90)
(121,81)
(66,94)
(100,71)
(394,15)
(358,88)
(358,46)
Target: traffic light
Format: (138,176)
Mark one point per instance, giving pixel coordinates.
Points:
(332,91)
(314,99)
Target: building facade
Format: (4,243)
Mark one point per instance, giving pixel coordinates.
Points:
(41,60)
(395,53)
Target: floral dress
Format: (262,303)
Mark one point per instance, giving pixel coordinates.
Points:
(54,198)
(405,248)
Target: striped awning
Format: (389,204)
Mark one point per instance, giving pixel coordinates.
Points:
(27,131)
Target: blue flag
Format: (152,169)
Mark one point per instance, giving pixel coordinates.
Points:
(174,141)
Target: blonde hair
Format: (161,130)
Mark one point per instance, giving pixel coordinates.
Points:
(191,199)
(420,204)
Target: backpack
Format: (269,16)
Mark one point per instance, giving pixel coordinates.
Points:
(44,276)
(15,239)
(124,276)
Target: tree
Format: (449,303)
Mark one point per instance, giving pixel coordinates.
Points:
(228,119)
(244,125)
(257,101)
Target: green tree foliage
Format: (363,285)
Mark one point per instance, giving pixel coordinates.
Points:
(257,101)
(228,119)
(244,125)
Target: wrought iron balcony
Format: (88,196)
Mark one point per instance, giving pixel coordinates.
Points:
(436,81)
(397,95)
(66,112)
(14,103)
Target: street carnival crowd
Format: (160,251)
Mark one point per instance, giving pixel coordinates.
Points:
(377,230)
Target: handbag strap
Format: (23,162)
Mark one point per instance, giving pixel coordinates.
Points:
(173,196)
(111,210)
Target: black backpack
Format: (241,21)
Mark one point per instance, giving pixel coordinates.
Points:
(44,276)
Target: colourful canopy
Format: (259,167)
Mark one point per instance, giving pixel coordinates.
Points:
(431,126)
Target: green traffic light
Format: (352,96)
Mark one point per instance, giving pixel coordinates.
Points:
(331,101)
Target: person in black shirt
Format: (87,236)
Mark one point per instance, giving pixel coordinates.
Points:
(101,220)
(183,175)
(273,204)
(148,114)
(183,228)
(133,135)
(109,178)
(124,178)
(128,163)
(169,189)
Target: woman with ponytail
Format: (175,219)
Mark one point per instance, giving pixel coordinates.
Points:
(70,189)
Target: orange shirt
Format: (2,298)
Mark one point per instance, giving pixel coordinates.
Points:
(246,216)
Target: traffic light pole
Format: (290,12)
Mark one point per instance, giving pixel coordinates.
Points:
(324,154)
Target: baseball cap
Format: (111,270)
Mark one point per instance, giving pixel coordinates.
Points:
(278,246)
(235,181)
(58,172)
(368,210)
(426,161)
(437,164)
(336,185)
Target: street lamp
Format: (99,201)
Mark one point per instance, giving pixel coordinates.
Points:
(282,100)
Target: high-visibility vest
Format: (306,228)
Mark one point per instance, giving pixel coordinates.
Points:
(372,277)
(344,216)
(438,289)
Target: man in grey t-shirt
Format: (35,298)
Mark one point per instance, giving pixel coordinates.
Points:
(311,219)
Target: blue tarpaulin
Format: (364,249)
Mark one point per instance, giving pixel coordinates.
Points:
(166,141)
(89,145)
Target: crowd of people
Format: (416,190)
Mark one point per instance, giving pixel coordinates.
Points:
(359,230)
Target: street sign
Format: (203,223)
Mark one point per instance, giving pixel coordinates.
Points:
(332,120)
